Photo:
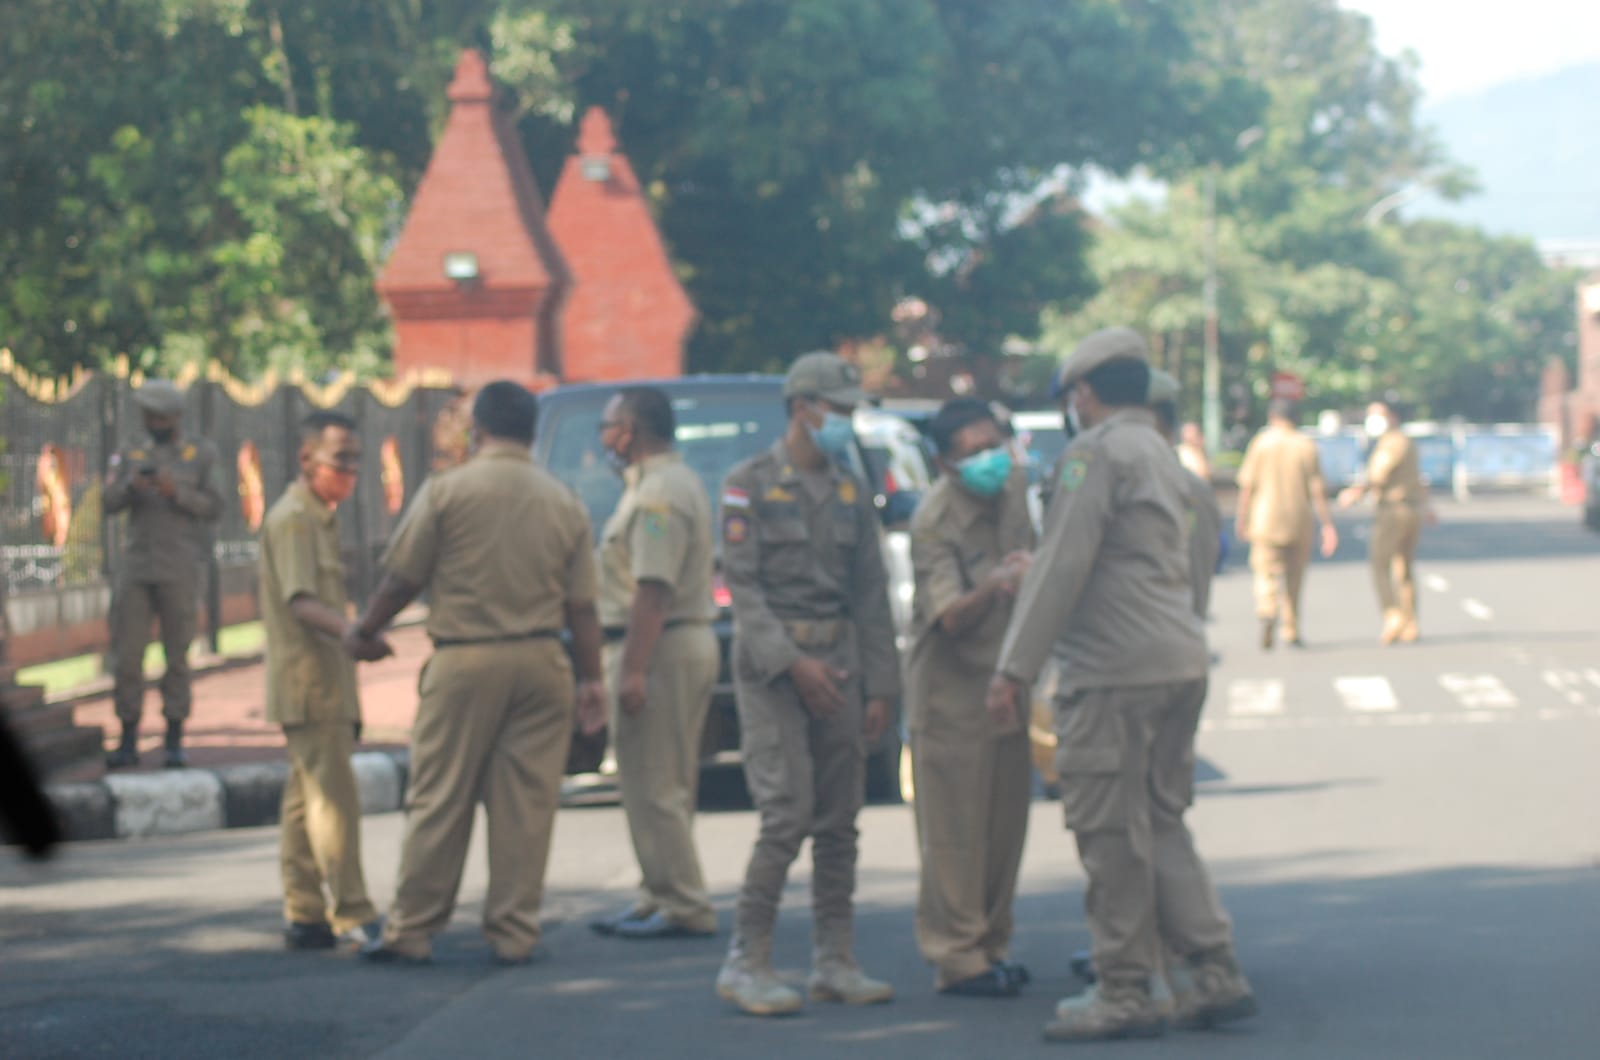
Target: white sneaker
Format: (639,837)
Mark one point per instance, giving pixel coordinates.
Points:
(756,989)
(845,982)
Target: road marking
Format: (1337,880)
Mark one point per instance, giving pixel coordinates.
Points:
(1479,691)
(1436,583)
(1477,609)
(1404,720)
(1568,683)
(1593,675)
(1255,698)
(1367,695)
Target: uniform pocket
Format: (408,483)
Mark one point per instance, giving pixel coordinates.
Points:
(1091,787)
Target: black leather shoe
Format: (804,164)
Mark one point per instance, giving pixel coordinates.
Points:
(298,935)
(1017,971)
(126,756)
(658,926)
(378,953)
(176,759)
(993,983)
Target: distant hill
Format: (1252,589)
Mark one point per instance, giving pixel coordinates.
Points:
(1535,148)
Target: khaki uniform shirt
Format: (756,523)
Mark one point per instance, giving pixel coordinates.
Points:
(499,544)
(310,678)
(1280,465)
(166,537)
(957,539)
(1394,471)
(1109,595)
(789,556)
(1205,539)
(661,531)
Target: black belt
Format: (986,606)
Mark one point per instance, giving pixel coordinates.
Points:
(454,642)
(616,633)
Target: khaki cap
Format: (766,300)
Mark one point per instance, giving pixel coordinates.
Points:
(159,397)
(824,375)
(1103,347)
(1163,388)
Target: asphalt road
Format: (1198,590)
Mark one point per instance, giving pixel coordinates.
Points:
(1408,839)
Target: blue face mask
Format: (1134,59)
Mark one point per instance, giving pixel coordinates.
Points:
(986,473)
(834,437)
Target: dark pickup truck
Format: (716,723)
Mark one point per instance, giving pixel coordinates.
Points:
(721,421)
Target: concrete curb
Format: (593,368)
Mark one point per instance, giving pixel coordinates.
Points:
(180,801)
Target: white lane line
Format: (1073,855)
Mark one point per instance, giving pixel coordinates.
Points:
(1479,691)
(1255,698)
(1477,609)
(1567,683)
(1367,695)
(1404,720)
(1436,583)
(1593,675)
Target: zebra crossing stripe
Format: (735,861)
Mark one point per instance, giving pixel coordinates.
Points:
(1567,683)
(1479,691)
(1255,698)
(1367,695)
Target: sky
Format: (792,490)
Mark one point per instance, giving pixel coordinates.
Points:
(1468,45)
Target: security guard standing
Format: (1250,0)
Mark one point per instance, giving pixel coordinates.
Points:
(168,486)
(1205,536)
(815,671)
(1280,485)
(311,691)
(971,539)
(661,659)
(1394,477)
(1109,595)
(504,552)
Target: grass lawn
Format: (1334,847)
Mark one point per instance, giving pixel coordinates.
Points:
(63,675)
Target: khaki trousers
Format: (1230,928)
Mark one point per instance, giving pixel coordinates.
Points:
(133,605)
(972,819)
(658,770)
(493,723)
(1126,758)
(319,831)
(1393,554)
(1280,573)
(807,777)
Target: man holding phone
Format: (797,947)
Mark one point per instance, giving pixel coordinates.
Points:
(168,487)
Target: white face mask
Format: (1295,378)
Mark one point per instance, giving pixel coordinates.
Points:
(1376,425)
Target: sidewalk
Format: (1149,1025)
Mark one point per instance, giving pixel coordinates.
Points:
(237,763)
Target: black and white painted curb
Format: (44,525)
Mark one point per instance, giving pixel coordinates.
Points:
(177,801)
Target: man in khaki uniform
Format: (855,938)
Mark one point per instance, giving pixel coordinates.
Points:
(661,659)
(1394,477)
(1280,484)
(168,486)
(971,538)
(1205,527)
(1109,596)
(504,552)
(311,691)
(815,671)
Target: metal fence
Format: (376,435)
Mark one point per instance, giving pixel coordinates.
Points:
(1460,458)
(60,436)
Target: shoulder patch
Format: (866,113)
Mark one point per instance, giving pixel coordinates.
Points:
(189,451)
(1072,473)
(847,491)
(735,528)
(655,521)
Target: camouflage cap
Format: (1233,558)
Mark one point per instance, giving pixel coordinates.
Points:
(160,398)
(1163,388)
(1103,347)
(824,375)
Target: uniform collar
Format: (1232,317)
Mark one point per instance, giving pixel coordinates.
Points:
(1141,416)
(311,501)
(635,473)
(791,470)
(501,449)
